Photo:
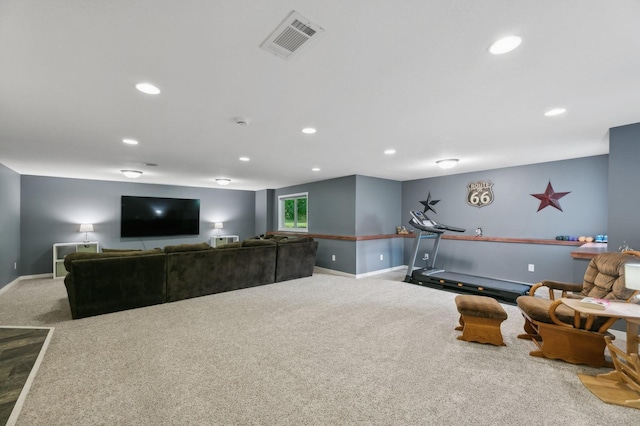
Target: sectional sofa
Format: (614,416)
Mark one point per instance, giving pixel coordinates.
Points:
(116,280)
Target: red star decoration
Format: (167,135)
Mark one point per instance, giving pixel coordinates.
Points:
(550,198)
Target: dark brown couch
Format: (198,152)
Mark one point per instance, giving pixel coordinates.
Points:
(112,281)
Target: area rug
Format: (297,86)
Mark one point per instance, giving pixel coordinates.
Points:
(21,352)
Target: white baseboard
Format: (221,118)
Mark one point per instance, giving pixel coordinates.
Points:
(366,274)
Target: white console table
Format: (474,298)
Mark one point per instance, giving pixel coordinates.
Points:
(60,250)
(219,240)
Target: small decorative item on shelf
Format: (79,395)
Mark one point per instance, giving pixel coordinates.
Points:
(401,230)
(478,232)
(624,247)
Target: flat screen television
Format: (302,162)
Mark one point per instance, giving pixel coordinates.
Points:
(159,217)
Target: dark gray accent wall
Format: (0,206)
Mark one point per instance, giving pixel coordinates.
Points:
(378,203)
(514,214)
(52,210)
(9,225)
(264,211)
(624,190)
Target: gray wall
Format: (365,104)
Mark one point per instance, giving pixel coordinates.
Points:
(264,211)
(353,206)
(624,188)
(514,214)
(378,211)
(9,225)
(52,210)
(331,210)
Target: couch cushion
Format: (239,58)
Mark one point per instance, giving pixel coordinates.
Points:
(237,244)
(88,255)
(295,240)
(186,247)
(257,243)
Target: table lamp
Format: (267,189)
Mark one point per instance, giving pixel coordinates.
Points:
(86,228)
(218,226)
(632,277)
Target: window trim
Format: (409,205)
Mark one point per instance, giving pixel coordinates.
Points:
(281,200)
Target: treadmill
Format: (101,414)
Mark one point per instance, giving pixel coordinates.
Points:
(506,291)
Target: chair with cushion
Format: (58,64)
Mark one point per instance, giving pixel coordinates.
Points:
(554,327)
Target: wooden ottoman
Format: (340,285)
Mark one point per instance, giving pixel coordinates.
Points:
(480,319)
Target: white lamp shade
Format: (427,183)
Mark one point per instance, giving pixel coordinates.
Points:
(632,276)
(218,225)
(86,227)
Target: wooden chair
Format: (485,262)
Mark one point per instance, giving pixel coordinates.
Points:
(621,386)
(556,329)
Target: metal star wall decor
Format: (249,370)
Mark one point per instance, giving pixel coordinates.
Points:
(550,198)
(428,204)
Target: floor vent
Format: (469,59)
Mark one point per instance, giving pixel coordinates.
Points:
(292,35)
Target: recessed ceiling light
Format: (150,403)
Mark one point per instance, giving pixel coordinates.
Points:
(132,173)
(505,45)
(555,111)
(315,169)
(448,163)
(244,158)
(148,88)
(390,151)
(130,141)
(223,182)
(309,130)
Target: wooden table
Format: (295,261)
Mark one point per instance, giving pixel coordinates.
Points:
(621,386)
(628,311)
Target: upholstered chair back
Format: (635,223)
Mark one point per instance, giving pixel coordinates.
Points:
(604,278)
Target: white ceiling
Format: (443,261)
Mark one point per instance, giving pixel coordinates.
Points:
(412,75)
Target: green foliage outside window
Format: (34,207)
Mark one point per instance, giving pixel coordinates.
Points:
(295,212)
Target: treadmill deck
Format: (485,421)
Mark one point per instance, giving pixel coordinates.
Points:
(507,291)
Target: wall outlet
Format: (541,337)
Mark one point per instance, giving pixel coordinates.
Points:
(333,257)
(382,257)
(531,267)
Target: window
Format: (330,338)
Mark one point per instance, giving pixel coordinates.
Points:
(292,212)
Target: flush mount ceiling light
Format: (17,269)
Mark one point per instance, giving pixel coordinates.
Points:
(505,45)
(223,182)
(309,130)
(555,111)
(448,163)
(132,173)
(315,169)
(130,141)
(240,121)
(148,88)
(244,159)
(390,151)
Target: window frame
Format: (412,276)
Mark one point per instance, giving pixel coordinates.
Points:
(281,211)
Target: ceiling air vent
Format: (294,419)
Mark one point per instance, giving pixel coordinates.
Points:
(293,34)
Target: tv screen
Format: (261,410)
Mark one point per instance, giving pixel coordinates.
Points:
(159,217)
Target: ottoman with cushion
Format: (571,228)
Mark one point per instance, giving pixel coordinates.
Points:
(480,319)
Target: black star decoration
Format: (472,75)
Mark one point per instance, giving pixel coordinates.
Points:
(550,198)
(428,204)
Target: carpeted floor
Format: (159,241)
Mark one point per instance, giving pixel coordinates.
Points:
(322,350)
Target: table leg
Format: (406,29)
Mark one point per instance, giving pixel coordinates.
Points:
(633,328)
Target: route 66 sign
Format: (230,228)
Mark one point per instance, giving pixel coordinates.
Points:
(480,193)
